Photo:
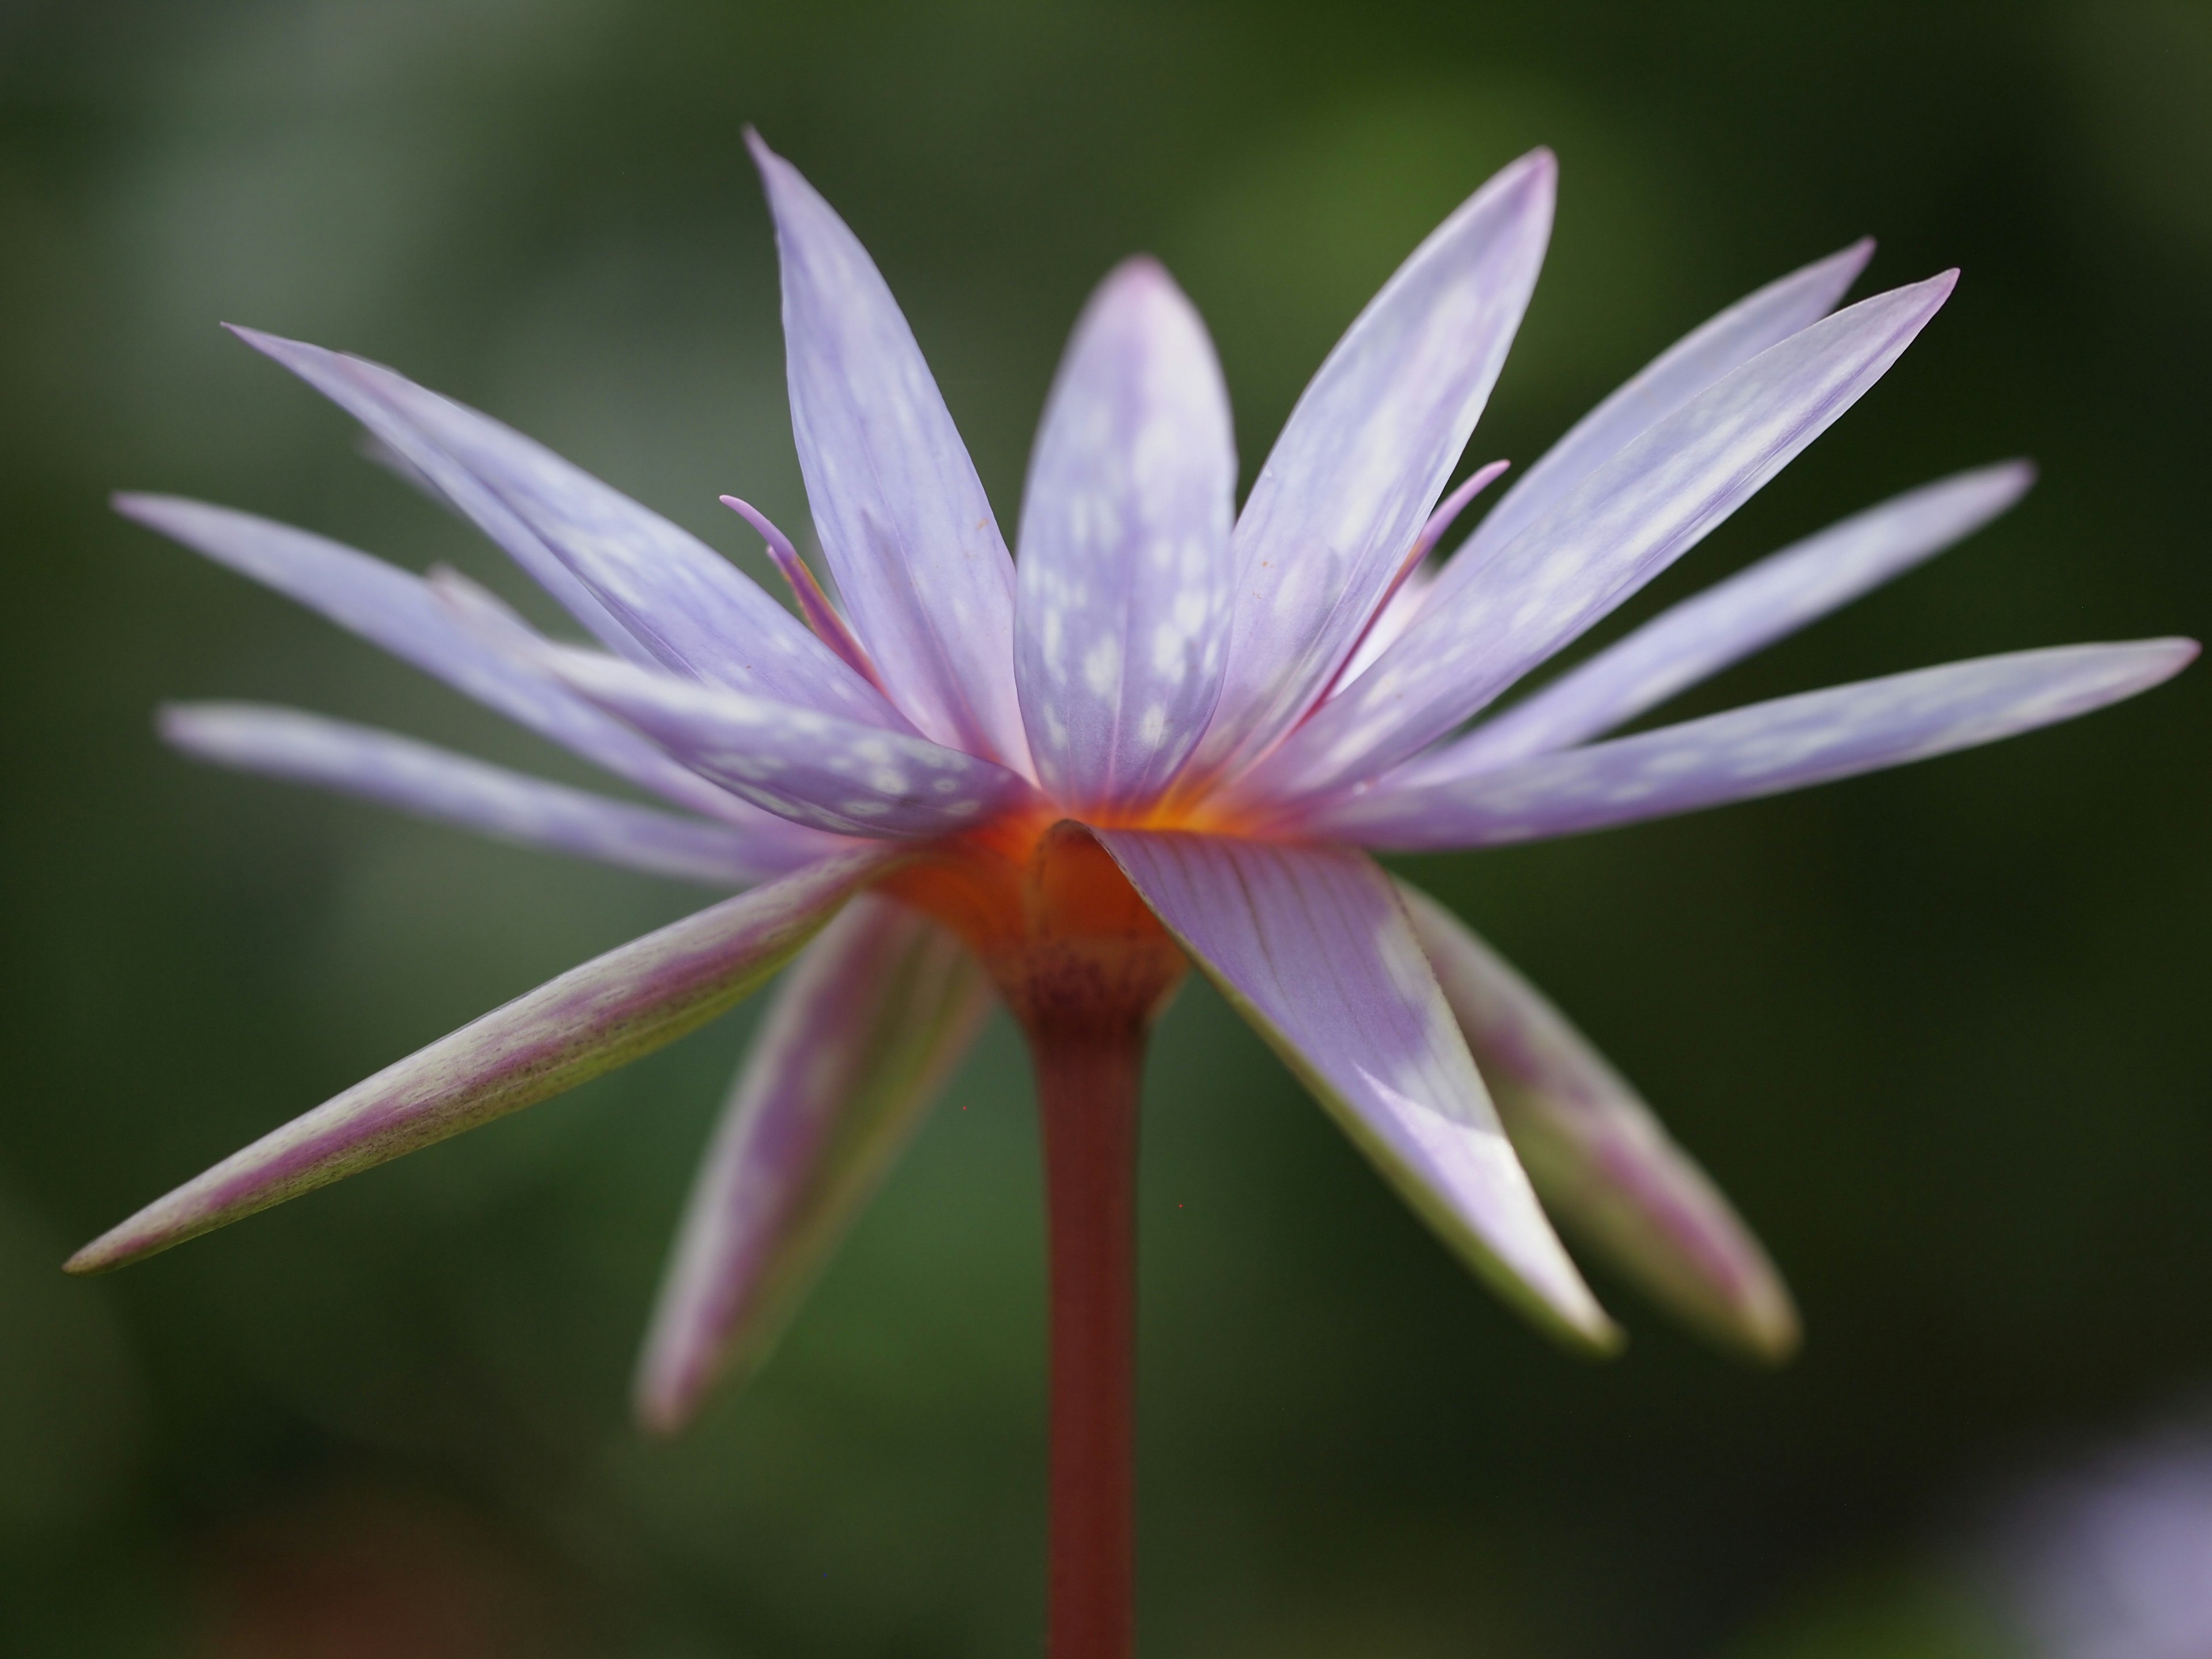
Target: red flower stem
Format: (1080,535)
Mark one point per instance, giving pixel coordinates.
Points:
(1088,1077)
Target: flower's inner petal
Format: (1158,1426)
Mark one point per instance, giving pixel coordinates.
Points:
(800,763)
(1598,1156)
(1366,452)
(1417,576)
(1715,348)
(435,783)
(401,614)
(1490,621)
(1732,619)
(1125,586)
(590,1020)
(904,523)
(693,611)
(863,1033)
(1312,945)
(1761,749)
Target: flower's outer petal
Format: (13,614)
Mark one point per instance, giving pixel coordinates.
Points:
(1490,621)
(904,523)
(799,764)
(1761,749)
(1694,362)
(401,614)
(863,1033)
(1598,1156)
(1366,452)
(450,788)
(691,608)
(1124,586)
(1312,945)
(1731,619)
(590,1020)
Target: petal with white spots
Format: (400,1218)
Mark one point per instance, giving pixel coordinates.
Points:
(906,527)
(1124,586)
(689,609)
(1313,947)
(401,614)
(1733,618)
(799,764)
(1489,620)
(1366,452)
(1694,362)
(449,788)
(1761,750)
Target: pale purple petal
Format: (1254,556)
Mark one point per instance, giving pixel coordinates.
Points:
(438,784)
(1490,621)
(799,764)
(1418,581)
(904,523)
(1312,945)
(1367,451)
(1731,620)
(1762,750)
(1598,1156)
(1125,587)
(861,1036)
(692,610)
(400,613)
(590,1020)
(1694,362)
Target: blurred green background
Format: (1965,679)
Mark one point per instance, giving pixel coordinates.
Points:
(1944,1034)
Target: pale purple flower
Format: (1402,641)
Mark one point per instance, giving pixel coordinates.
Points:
(1240,707)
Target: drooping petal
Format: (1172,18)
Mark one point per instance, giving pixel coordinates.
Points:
(1761,750)
(1312,945)
(1124,586)
(904,523)
(692,610)
(1679,373)
(799,764)
(1490,621)
(590,1020)
(863,1033)
(401,614)
(1731,619)
(436,783)
(1367,451)
(1599,1158)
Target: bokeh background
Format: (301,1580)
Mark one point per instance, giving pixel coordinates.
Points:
(1944,1034)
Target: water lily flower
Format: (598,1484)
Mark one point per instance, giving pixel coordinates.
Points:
(1172,732)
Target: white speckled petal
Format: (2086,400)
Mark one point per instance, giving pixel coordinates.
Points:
(904,523)
(1488,622)
(688,607)
(1761,750)
(436,783)
(401,614)
(1598,1156)
(1124,586)
(590,1020)
(861,1036)
(1733,618)
(799,764)
(1694,362)
(1312,945)
(1366,452)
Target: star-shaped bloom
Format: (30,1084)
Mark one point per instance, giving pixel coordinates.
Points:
(1171,727)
